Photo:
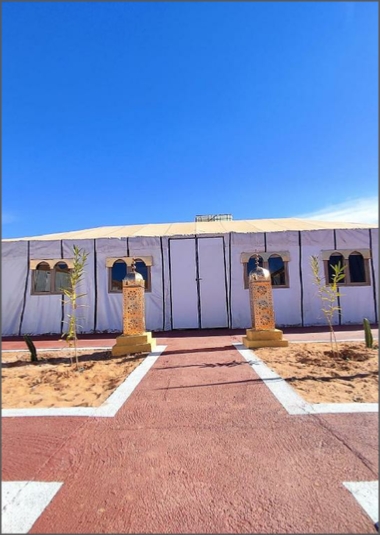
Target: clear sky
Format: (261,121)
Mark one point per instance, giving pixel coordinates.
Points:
(128,113)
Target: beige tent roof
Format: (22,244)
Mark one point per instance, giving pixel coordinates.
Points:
(199,228)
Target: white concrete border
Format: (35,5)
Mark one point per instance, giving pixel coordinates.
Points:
(111,405)
(288,397)
(23,502)
(367,494)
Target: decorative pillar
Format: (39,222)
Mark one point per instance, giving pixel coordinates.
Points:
(263,332)
(134,338)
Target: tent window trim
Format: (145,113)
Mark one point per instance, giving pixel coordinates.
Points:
(265,262)
(356,266)
(57,272)
(143,266)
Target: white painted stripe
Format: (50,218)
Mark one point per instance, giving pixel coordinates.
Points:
(292,402)
(110,406)
(342,408)
(367,494)
(54,411)
(285,394)
(122,393)
(23,502)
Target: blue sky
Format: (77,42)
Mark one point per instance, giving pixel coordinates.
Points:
(128,113)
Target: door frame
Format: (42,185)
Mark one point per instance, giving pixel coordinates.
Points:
(227,293)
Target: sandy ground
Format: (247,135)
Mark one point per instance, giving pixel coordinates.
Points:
(308,367)
(53,382)
(320,377)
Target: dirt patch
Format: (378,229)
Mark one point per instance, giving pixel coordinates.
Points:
(320,377)
(53,382)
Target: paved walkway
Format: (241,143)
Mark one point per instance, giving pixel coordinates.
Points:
(201,446)
(296,334)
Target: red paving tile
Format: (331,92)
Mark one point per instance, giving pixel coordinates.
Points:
(201,446)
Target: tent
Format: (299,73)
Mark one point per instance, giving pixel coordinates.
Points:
(196,274)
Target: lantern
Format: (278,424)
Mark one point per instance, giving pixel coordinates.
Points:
(134,338)
(263,332)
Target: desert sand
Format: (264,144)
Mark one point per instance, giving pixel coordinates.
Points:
(317,376)
(320,377)
(53,382)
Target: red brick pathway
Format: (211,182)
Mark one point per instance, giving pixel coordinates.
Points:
(201,446)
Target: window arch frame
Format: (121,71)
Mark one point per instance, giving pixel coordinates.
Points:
(147,260)
(51,265)
(285,257)
(346,254)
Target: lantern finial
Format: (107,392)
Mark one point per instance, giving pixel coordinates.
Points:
(257,259)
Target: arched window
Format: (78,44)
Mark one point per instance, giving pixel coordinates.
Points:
(117,274)
(61,277)
(276,263)
(50,277)
(356,267)
(42,278)
(119,267)
(335,260)
(276,267)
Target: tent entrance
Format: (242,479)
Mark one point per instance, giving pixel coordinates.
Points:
(198,283)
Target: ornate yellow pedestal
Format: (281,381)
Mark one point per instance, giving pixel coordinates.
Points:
(134,338)
(263,332)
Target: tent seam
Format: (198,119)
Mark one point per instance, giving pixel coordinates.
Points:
(25,289)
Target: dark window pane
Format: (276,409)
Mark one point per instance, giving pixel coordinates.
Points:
(42,278)
(356,267)
(143,270)
(277,270)
(334,260)
(62,277)
(119,271)
(251,265)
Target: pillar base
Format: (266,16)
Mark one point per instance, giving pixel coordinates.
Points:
(264,338)
(135,343)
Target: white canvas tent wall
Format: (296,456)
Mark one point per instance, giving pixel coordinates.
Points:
(196,273)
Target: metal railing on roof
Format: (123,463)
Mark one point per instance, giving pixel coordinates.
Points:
(213,217)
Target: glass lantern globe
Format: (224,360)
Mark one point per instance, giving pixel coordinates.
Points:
(259,274)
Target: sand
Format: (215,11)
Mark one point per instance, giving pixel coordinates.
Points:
(320,377)
(53,382)
(316,375)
